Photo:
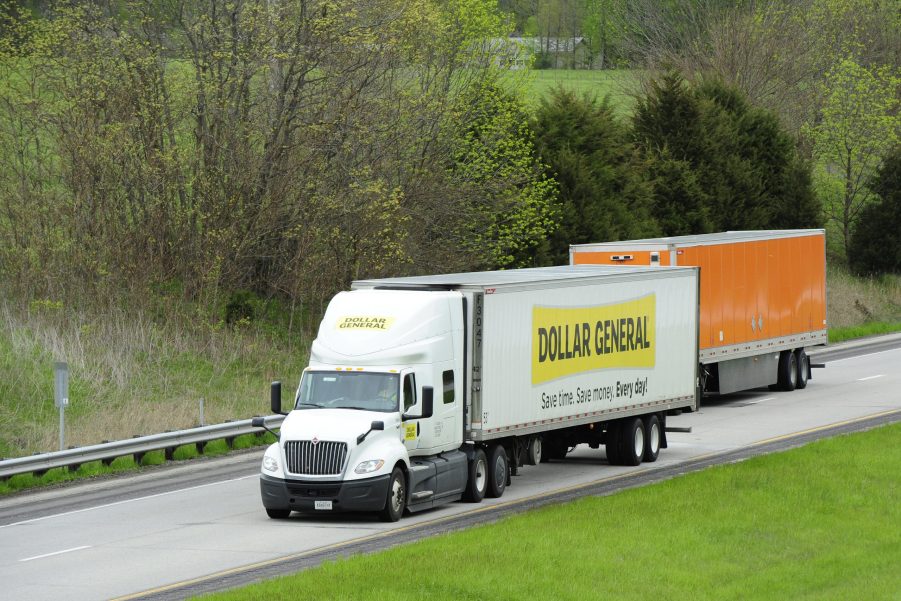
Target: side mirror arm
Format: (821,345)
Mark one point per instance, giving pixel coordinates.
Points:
(260,422)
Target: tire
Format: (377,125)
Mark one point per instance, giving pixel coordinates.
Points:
(278,514)
(536,454)
(497,471)
(788,371)
(652,438)
(631,441)
(612,443)
(803,369)
(396,500)
(477,482)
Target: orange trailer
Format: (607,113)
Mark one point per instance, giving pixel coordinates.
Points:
(762,299)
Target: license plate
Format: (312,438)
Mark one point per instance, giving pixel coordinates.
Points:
(324,505)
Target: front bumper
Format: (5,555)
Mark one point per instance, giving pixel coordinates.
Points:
(300,495)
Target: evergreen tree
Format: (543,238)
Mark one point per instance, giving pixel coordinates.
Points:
(876,242)
(602,189)
(718,163)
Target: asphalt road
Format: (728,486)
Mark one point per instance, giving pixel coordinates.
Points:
(175,531)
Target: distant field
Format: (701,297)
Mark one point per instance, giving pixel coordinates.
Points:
(819,522)
(617,83)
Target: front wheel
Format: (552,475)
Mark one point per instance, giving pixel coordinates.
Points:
(397,497)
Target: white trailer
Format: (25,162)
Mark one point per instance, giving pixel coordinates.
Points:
(527,363)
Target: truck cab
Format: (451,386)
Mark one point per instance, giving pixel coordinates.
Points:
(367,431)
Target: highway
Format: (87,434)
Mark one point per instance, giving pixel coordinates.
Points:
(174,531)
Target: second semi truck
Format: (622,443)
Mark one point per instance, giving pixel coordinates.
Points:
(762,301)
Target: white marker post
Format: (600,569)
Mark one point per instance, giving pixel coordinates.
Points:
(61,397)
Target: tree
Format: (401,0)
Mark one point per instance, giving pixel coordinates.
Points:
(278,147)
(858,125)
(603,192)
(718,162)
(876,242)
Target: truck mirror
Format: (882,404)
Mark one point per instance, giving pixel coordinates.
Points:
(377,426)
(427,401)
(258,422)
(275,398)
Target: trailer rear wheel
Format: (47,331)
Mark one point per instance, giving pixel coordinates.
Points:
(651,438)
(397,497)
(788,371)
(631,438)
(478,478)
(278,514)
(803,369)
(497,471)
(535,454)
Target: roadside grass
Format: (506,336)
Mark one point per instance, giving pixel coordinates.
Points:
(127,463)
(134,372)
(859,307)
(818,522)
(862,331)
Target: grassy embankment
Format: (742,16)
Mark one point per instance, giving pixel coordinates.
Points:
(819,522)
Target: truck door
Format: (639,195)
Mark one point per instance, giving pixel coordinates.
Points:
(411,429)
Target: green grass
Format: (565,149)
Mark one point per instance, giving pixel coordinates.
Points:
(862,331)
(616,83)
(819,522)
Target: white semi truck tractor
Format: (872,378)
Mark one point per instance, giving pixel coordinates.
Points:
(424,390)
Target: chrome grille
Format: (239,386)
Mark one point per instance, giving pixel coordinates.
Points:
(321,459)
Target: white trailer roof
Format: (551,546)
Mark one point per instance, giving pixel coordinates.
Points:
(516,277)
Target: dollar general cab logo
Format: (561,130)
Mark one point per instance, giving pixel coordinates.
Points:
(364,322)
(568,341)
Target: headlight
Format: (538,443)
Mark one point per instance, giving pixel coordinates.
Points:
(370,466)
(270,464)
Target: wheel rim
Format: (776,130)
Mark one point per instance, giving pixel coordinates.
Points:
(481,474)
(639,441)
(793,371)
(802,369)
(397,495)
(654,442)
(536,450)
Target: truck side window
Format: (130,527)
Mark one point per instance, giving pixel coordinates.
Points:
(448,378)
(409,392)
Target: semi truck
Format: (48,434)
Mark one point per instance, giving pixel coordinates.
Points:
(425,390)
(762,300)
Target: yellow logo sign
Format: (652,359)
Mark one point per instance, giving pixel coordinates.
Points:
(567,341)
(410,431)
(364,322)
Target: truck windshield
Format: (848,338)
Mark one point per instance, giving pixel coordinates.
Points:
(348,390)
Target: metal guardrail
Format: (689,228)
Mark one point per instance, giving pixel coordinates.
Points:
(136,447)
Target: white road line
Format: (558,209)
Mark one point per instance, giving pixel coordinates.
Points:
(769,398)
(162,494)
(870,378)
(55,553)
